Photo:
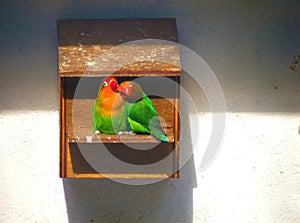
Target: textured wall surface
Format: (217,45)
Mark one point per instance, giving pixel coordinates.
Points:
(256,175)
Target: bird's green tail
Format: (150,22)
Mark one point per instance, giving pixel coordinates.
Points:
(157,133)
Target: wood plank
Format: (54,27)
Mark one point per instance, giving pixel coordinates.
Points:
(120,176)
(177,130)
(62,132)
(121,73)
(90,61)
(82,43)
(133,161)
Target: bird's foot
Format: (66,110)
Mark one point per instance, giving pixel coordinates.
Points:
(125,133)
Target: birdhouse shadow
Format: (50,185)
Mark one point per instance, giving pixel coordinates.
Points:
(131,200)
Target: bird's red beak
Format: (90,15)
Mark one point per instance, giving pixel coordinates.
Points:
(114,86)
(125,91)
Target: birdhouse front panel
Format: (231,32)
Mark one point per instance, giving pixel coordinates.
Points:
(119,96)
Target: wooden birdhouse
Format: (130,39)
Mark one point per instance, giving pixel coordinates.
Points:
(139,50)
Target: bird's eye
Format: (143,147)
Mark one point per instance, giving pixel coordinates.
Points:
(105,84)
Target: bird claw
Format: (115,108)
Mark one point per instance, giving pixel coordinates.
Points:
(125,133)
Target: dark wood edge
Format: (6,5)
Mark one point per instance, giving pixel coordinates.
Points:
(123,74)
(62,129)
(177,131)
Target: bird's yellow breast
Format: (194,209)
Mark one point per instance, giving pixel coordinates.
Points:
(110,106)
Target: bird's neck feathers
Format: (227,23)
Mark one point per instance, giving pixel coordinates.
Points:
(109,101)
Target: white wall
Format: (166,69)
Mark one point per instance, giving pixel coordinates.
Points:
(256,176)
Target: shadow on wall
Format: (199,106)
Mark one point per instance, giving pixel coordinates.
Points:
(106,201)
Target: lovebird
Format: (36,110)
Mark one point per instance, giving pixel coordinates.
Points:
(109,113)
(142,116)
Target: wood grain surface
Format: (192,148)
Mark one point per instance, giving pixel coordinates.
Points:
(88,47)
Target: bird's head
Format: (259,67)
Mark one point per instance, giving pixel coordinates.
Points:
(131,91)
(111,83)
(109,87)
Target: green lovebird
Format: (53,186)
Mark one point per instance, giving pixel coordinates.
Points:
(142,116)
(109,113)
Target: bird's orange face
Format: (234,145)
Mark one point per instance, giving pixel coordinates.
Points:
(109,88)
(109,94)
(111,83)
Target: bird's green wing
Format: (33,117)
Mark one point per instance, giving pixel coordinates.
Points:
(137,127)
(142,117)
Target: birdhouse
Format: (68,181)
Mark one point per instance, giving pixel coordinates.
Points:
(137,50)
